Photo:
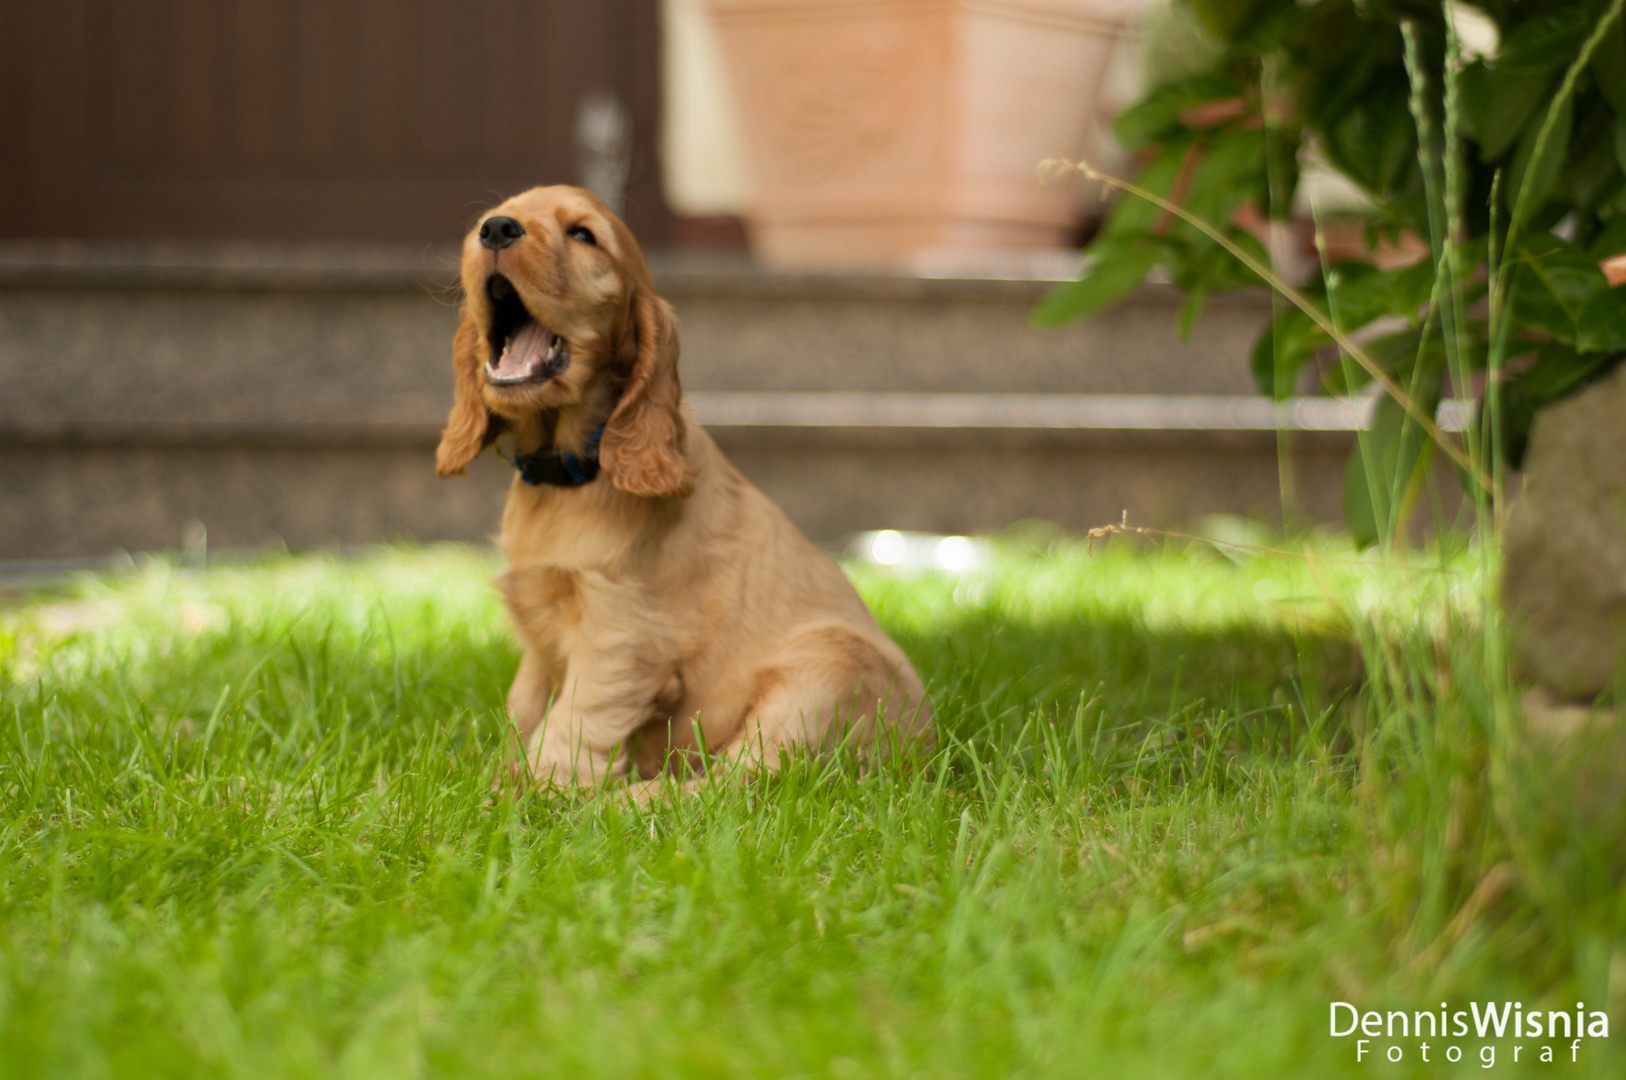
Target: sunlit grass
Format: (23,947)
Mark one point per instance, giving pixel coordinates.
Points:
(1184,801)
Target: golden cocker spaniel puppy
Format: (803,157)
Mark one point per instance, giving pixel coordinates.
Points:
(654,589)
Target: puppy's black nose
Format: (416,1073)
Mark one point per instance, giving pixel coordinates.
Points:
(499,232)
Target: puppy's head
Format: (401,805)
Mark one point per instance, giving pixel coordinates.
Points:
(560,314)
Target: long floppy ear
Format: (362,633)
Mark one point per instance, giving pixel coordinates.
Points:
(643,447)
(469,429)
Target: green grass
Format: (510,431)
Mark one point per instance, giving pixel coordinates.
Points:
(247,828)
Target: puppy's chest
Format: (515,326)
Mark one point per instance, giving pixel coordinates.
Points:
(542,596)
(557,608)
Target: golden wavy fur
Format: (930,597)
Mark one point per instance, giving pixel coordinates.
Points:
(668,594)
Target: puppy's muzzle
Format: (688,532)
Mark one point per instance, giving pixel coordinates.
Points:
(521,349)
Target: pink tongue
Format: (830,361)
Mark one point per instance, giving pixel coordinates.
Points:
(526,352)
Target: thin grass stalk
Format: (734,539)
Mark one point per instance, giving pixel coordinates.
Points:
(1455,266)
(1495,347)
(1419,105)
(1274,195)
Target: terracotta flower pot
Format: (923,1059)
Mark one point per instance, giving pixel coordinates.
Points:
(879,130)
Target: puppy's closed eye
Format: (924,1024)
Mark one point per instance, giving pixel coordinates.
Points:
(582,233)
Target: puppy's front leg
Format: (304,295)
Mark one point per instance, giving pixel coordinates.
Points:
(535,685)
(602,700)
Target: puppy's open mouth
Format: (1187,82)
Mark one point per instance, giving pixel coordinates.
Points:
(522,349)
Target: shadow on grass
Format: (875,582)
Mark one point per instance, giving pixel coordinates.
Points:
(1124,693)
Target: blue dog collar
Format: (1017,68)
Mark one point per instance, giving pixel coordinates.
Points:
(557,468)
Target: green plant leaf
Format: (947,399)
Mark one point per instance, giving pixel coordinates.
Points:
(1214,269)
(1543,42)
(1590,165)
(1227,19)
(1116,271)
(1362,295)
(1355,290)
(1544,172)
(1282,351)
(1553,282)
(1556,372)
(1157,115)
(1387,460)
(1374,142)
(1609,66)
(1601,325)
(1347,57)
(1130,217)
(1611,240)
(1190,309)
(1231,172)
(1393,353)
(1410,286)
(1497,104)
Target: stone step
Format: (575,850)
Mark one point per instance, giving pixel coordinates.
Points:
(298,392)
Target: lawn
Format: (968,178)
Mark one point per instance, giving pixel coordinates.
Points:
(1185,800)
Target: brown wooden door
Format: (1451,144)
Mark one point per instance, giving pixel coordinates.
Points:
(329,120)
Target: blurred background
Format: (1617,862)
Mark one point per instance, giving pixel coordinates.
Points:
(228,235)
